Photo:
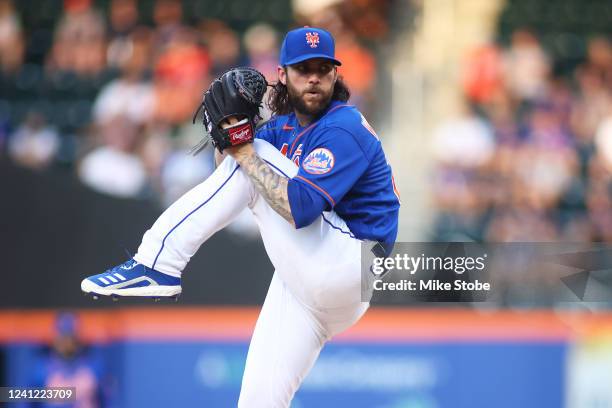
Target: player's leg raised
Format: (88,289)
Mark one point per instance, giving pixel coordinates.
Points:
(174,238)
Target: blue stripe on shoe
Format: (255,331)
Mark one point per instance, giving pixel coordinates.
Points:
(188,215)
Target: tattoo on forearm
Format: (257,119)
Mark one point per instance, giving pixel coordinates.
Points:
(272,186)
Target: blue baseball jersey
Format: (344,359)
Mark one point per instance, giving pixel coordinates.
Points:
(342,167)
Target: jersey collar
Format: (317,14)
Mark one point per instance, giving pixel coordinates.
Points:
(332,106)
(293,122)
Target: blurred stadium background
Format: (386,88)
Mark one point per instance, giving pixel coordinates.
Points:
(496,116)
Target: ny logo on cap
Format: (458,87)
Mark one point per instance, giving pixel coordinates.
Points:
(312,39)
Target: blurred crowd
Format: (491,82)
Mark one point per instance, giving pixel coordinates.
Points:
(528,154)
(111,95)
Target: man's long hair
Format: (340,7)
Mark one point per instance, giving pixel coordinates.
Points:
(278,98)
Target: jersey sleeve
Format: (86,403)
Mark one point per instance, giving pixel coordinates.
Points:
(333,165)
(306,204)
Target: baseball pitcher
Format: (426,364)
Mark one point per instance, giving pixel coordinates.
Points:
(317,181)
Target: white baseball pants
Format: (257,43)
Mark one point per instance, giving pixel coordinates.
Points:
(315,289)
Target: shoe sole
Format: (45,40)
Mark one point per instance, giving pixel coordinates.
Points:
(88,286)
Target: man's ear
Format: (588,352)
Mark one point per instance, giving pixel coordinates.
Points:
(282,75)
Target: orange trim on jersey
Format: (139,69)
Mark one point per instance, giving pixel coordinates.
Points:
(311,126)
(369,127)
(287,127)
(395,190)
(318,188)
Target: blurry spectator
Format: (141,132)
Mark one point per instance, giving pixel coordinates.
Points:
(34,144)
(260,41)
(123,16)
(466,141)
(79,44)
(483,74)
(114,167)
(501,110)
(223,46)
(70,364)
(542,174)
(462,147)
(559,99)
(603,142)
(358,69)
(167,16)
(599,59)
(156,147)
(368,19)
(181,74)
(130,94)
(592,103)
(461,203)
(182,171)
(306,10)
(526,66)
(173,169)
(12,46)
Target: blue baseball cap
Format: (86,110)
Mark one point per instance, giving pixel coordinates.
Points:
(305,43)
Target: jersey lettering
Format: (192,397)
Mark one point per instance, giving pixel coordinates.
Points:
(296,155)
(284,149)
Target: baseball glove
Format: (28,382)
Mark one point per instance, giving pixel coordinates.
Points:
(237,93)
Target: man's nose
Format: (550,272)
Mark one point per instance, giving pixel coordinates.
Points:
(314,78)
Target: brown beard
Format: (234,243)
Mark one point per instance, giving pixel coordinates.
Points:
(296,100)
(278,99)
